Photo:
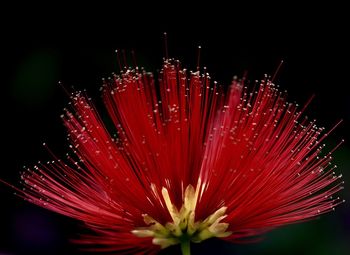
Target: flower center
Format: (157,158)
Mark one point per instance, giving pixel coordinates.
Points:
(184,228)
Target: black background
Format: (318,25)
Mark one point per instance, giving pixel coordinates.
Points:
(76,45)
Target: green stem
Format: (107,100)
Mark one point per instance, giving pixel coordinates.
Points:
(185,247)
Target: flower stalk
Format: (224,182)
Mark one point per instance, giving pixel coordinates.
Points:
(185,247)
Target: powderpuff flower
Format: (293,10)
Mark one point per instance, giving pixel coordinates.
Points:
(190,160)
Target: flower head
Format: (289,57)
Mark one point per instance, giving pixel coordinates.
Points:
(190,160)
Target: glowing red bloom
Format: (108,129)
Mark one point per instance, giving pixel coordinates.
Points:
(190,161)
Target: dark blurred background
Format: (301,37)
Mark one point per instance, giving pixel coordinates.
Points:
(75,45)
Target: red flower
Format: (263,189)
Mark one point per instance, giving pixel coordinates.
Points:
(190,161)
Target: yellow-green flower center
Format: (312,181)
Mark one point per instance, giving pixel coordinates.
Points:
(184,228)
